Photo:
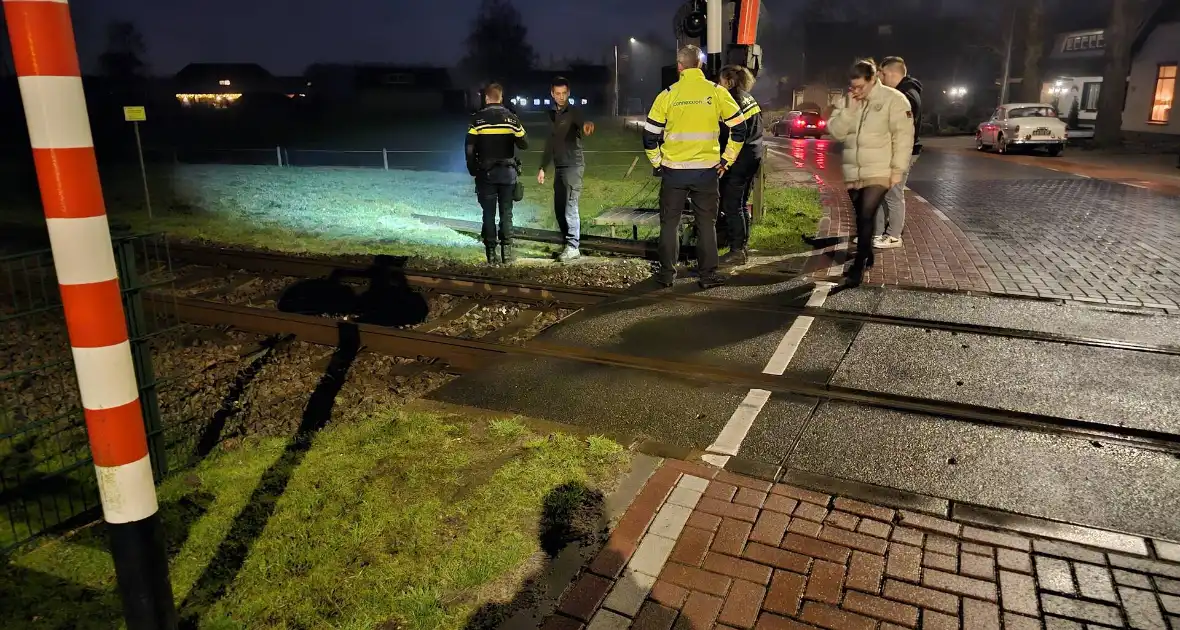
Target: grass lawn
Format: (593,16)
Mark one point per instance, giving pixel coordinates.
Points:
(411,520)
(325,210)
(789,213)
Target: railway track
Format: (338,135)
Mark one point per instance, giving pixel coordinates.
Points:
(577,298)
(463,355)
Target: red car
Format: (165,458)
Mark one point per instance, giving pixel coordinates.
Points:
(800,125)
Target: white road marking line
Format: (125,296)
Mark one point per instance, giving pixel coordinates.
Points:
(790,344)
(729,441)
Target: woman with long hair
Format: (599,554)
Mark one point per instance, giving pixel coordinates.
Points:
(737,180)
(876,126)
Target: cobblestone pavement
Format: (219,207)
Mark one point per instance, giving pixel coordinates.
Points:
(702,548)
(980,223)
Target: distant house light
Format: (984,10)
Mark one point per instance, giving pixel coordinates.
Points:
(224,82)
(583,101)
(537,101)
(211,100)
(547,102)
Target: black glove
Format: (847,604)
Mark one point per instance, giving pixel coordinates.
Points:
(657,171)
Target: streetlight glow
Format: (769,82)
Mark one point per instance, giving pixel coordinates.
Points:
(633,40)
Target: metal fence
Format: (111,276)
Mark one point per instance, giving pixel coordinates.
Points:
(380,158)
(46,473)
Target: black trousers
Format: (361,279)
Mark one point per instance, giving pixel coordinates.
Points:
(867,202)
(676,188)
(492,198)
(736,185)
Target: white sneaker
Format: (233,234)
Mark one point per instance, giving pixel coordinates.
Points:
(887,242)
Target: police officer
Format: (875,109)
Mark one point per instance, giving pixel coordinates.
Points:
(681,138)
(492,139)
(737,180)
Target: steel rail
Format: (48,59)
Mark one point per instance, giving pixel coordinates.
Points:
(571,297)
(465,355)
(606,244)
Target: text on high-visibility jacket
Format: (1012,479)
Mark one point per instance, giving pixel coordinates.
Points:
(681,131)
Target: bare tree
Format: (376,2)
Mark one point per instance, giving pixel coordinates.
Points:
(497,46)
(1125,17)
(123,59)
(1034,52)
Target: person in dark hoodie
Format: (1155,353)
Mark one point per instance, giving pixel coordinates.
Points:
(891,219)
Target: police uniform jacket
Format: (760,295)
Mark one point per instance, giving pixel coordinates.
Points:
(681,132)
(752,148)
(493,137)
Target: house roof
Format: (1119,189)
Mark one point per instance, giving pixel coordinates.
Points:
(1164,11)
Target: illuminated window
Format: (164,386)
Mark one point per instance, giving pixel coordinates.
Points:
(547,101)
(1165,90)
(224,82)
(1090,92)
(583,101)
(536,101)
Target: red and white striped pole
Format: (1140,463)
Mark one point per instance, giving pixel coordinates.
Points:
(55,109)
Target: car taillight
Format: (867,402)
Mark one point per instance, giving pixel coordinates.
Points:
(823,123)
(799,122)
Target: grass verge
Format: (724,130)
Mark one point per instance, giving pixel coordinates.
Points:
(402,521)
(789,214)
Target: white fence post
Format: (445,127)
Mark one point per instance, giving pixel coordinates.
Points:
(385,157)
(279,154)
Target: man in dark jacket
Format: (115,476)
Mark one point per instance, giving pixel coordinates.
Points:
(891,218)
(563,149)
(493,137)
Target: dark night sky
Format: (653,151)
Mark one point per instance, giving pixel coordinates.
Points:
(287,35)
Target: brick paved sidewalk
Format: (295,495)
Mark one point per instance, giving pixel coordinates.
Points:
(703,548)
(937,254)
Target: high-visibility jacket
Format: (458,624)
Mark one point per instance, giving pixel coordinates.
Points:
(681,130)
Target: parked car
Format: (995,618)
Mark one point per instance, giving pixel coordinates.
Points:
(800,125)
(1022,126)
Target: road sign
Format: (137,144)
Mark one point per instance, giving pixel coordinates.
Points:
(136,113)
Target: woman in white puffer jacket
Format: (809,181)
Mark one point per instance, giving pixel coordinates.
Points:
(876,126)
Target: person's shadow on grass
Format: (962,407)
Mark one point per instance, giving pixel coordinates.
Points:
(573,526)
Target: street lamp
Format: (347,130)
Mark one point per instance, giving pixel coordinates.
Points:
(630,40)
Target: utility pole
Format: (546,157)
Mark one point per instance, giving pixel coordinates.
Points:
(1008,57)
(46,61)
(616,106)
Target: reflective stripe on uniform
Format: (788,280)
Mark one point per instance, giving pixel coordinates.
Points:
(496,129)
(687,136)
(650,128)
(690,165)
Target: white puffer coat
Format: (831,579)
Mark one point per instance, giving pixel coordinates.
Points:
(878,136)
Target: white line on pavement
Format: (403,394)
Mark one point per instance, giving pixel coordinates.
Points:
(790,344)
(729,441)
(939,213)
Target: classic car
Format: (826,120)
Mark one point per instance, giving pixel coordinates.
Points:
(1022,126)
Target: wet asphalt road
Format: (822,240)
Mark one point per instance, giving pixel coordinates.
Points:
(1051,476)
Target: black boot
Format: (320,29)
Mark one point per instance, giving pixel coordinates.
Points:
(856,273)
(737,256)
(507,255)
(490,252)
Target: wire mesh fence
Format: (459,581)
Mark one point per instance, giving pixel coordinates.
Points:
(377,158)
(46,473)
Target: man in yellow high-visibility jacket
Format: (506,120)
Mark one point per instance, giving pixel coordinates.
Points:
(682,140)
